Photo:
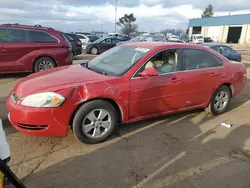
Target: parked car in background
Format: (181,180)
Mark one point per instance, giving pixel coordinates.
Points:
(84,39)
(197,39)
(101,45)
(84,33)
(155,38)
(75,43)
(208,39)
(173,38)
(225,50)
(124,38)
(176,41)
(146,38)
(128,83)
(25,48)
(92,38)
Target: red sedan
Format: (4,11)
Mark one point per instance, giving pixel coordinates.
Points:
(130,82)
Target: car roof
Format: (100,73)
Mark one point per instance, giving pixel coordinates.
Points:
(152,45)
(30,27)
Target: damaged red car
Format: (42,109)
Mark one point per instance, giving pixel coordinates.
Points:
(130,82)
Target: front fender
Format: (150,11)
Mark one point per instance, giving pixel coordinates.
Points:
(119,93)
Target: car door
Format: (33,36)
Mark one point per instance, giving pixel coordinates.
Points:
(202,71)
(230,54)
(105,45)
(226,52)
(160,94)
(13,47)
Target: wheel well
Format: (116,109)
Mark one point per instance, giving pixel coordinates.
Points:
(230,86)
(42,57)
(117,107)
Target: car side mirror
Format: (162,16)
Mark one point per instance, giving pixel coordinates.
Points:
(149,72)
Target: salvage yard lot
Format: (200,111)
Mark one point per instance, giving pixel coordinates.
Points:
(183,150)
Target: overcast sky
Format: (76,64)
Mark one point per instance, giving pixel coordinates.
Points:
(88,15)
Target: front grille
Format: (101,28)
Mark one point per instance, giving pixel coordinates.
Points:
(32,127)
(14,98)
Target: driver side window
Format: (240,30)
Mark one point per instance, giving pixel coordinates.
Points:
(107,41)
(226,49)
(164,62)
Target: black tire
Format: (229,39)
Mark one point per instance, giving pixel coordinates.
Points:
(37,65)
(94,51)
(211,108)
(81,115)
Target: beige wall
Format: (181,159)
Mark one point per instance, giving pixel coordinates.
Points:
(222,32)
(190,31)
(247,38)
(225,29)
(245,34)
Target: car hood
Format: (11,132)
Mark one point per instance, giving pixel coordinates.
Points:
(124,42)
(57,79)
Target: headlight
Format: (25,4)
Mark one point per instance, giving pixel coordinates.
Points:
(46,99)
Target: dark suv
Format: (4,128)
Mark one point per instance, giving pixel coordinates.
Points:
(26,48)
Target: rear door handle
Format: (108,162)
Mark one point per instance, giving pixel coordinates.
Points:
(175,80)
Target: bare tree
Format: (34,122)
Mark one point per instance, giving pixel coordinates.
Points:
(127,24)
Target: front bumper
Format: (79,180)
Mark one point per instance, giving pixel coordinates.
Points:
(49,122)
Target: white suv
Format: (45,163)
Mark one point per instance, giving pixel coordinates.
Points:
(83,38)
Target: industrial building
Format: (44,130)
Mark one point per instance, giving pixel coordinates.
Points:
(224,29)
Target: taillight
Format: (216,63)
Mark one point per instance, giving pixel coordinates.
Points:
(78,42)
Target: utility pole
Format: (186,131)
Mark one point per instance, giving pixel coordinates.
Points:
(101,25)
(115,13)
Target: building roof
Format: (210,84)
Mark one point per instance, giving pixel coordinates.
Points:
(221,20)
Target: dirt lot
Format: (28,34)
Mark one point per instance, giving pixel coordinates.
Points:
(183,150)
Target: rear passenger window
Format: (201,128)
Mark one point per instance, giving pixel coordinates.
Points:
(38,36)
(13,35)
(199,59)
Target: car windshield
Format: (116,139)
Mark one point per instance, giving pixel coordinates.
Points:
(80,36)
(117,61)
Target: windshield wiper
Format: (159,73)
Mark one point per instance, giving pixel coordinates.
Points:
(95,70)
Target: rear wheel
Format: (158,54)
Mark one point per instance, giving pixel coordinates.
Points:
(220,100)
(95,121)
(44,63)
(94,51)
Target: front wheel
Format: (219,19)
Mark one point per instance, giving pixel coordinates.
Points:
(95,121)
(220,100)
